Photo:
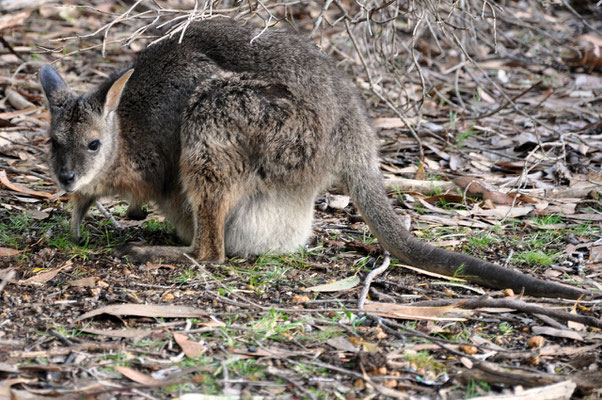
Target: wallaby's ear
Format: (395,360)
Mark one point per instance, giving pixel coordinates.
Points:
(51,81)
(114,93)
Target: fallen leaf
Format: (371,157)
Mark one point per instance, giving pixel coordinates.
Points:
(505,211)
(13,19)
(5,393)
(299,298)
(563,333)
(338,201)
(20,188)
(433,274)
(536,342)
(391,310)
(468,349)
(46,276)
(387,123)
(343,284)
(342,344)
(8,252)
(84,282)
(190,348)
(595,254)
(138,376)
(146,310)
(587,52)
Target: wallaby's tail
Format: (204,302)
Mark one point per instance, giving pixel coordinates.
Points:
(366,189)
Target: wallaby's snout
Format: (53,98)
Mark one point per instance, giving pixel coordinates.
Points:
(66,178)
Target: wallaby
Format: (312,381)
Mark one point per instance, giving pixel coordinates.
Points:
(233,139)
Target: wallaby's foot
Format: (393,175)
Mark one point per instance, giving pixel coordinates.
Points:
(136,212)
(137,253)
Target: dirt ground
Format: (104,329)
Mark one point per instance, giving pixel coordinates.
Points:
(511,137)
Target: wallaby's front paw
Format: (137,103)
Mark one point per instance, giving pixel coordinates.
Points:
(136,213)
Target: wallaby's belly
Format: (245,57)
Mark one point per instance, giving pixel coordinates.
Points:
(278,222)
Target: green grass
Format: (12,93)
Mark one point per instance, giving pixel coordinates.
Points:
(12,233)
(465,135)
(186,275)
(275,325)
(476,388)
(535,248)
(482,241)
(550,219)
(536,258)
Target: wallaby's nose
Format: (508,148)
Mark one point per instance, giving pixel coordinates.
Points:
(66,177)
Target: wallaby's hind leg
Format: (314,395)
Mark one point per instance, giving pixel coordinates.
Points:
(81,204)
(210,204)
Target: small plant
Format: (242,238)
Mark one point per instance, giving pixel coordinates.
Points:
(154,225)
(424,360)
(465,135)
(505,328)
(367,238)
(186,275)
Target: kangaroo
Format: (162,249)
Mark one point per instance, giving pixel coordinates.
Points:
(233,139)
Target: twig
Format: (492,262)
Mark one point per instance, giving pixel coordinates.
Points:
(108,215)
(368,281)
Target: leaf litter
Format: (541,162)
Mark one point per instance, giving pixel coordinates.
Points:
(512,150)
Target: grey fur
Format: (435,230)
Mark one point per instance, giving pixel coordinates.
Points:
(233,140)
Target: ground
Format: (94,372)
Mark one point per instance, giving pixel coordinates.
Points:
(78,322)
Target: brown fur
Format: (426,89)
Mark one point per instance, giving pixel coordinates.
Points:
(233,140)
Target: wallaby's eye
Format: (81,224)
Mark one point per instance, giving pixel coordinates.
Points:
(94,145)
(53,143)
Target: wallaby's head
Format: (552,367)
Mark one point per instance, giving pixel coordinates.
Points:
(83,129)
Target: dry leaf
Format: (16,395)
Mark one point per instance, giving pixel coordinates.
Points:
(20,188)
(190,348)
(342,344)
(587,52)
(8,252)
(536,341)
(146,310)
(84,282)
(299,298)
(505,212)
(343,284)
(479,188)
(595,254)
(433,274)
(388,123)
(468,349)
(563,333)
(391,310)
(46,276)
(13,19)
(138,376)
